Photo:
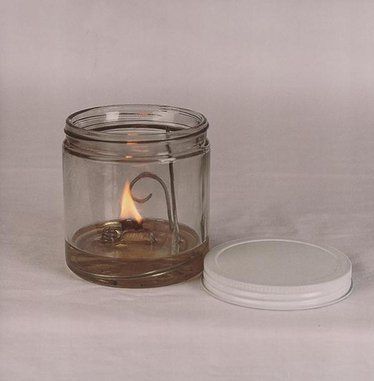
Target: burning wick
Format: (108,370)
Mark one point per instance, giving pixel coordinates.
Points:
(129,228)
(130,224)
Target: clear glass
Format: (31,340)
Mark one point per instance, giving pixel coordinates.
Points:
(136,193)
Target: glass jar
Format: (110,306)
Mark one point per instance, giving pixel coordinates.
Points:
(136,192)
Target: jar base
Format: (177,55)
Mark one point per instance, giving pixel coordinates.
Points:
(116,272)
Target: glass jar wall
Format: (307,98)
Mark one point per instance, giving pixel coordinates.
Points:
(136,194)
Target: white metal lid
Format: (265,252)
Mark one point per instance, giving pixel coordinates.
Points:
(277,274)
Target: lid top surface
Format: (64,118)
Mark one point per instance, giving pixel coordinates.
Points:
(277,263)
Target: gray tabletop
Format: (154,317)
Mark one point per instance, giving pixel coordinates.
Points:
(288,90)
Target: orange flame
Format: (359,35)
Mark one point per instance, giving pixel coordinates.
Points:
(128,207)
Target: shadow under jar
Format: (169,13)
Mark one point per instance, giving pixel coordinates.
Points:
(136,194)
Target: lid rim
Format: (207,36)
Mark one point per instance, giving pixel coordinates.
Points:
(277,305)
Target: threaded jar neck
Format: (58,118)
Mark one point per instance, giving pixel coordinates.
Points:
(136,133)
(135,123)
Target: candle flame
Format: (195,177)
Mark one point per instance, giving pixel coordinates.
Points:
(128,207)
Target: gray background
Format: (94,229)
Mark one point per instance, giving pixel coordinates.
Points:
(288,89)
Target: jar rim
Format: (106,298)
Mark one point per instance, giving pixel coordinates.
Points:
(135,123)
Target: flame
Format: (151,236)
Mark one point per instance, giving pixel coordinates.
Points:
(128,207)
